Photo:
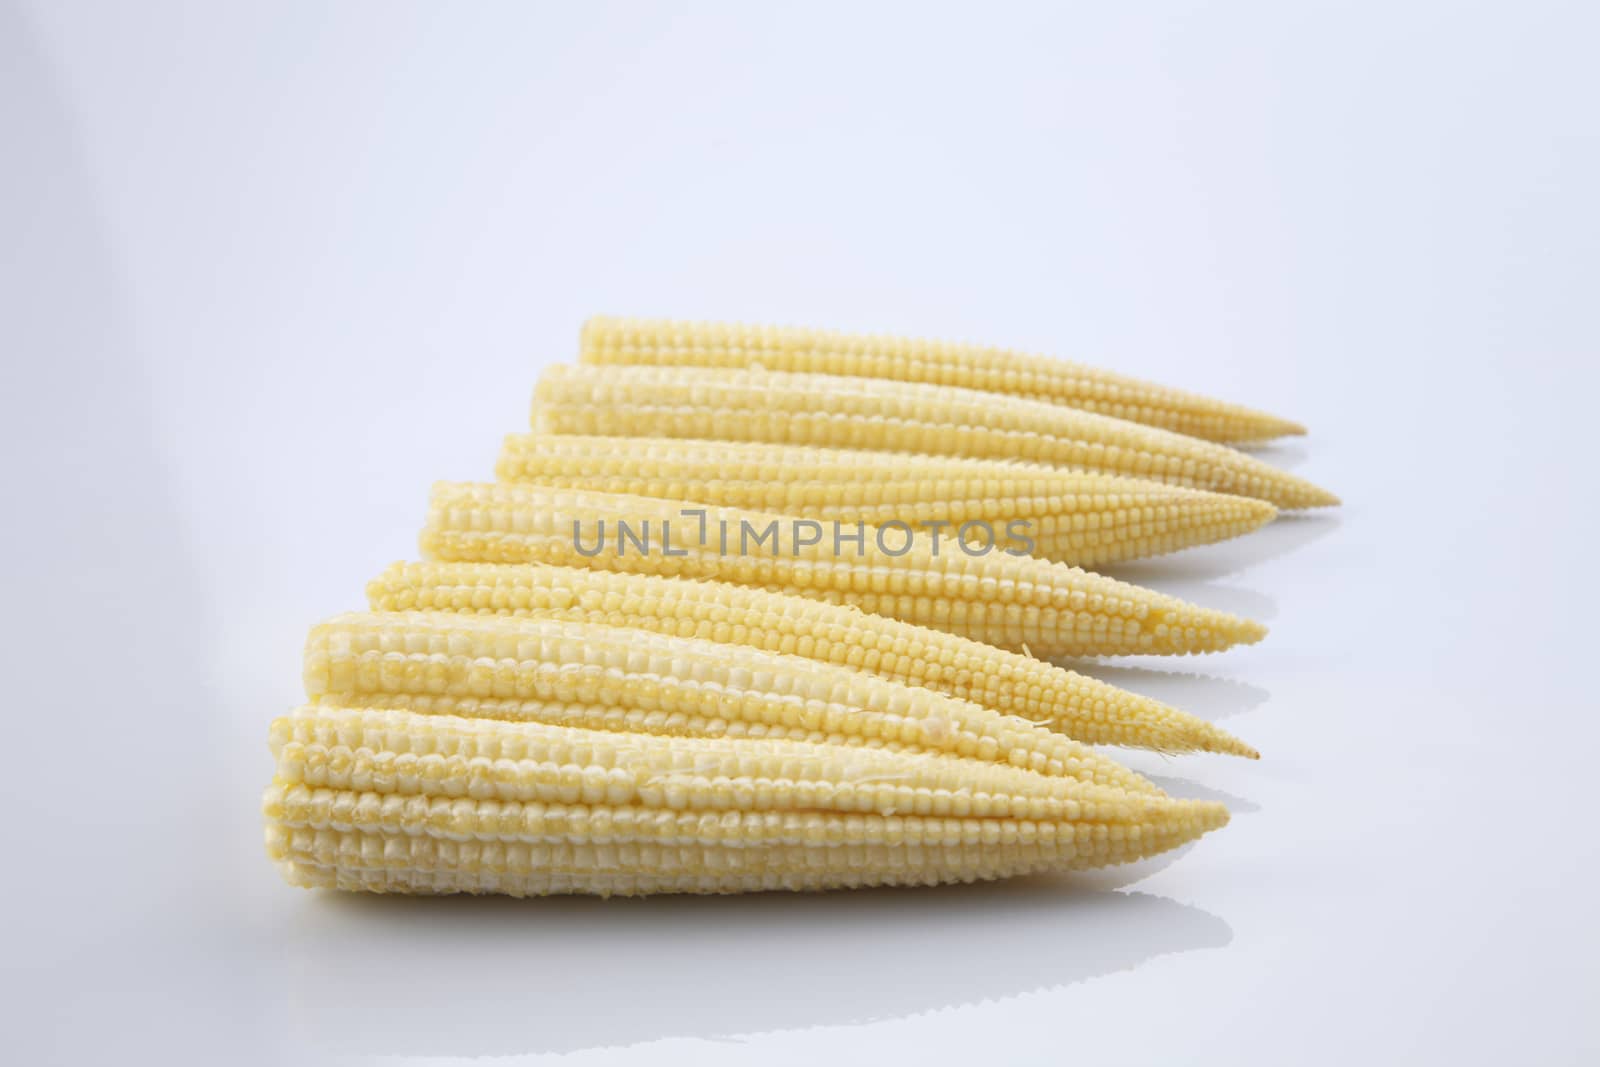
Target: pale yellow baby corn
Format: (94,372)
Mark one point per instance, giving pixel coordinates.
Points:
(668,343)
(1020,603)
(888,416)
(600,677)
(1070,516)
(1073,704)
(391,801)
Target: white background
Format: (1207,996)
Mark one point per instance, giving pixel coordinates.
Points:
(269,270)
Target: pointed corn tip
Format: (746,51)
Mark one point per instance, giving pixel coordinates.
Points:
(1297,494)
(1308,495)
(1250,513)
(1180,732)
(1205,737)
(1211,815)
(1189,629)
(1254,476)
(1189,820)
(1236,747)
(1260,512)
(1229,631)
(1255,427)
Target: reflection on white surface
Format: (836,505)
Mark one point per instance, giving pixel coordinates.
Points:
(369,975)
(1192,575)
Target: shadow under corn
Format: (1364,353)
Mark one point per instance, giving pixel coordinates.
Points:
(484,976)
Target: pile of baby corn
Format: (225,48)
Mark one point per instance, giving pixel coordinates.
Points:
(595,684)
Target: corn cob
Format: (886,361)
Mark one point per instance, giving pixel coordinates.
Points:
(887,416)
(1014,602)
(1068,516)
(600,677)
(391,801)
(380,863)
(1073,704)
(666,343)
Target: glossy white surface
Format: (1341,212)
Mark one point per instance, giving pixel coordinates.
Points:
(267,273)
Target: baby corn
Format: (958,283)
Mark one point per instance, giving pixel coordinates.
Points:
(886,416)
(600,677)
(1073,517)
(1011,683)
(666,343)
(1015,602)
(393,801)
